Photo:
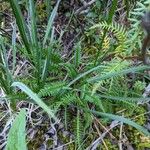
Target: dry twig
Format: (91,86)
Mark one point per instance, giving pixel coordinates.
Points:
(85,6)
(95,144)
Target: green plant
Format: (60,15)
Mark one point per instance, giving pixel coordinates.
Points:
(37,51)
(17,136)
(87,87)
(135,33)
(33,96)
(5,73)
(119,32)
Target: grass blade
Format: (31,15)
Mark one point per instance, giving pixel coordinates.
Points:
(131,99)
(50,22)
(84,74)
(112,11)
(121,119)
(14,46)
(20,23)
(6,76)
(35,97)
(47,60)
(34,39)
(118,73)
(16,136)
(77,54)
(32,13)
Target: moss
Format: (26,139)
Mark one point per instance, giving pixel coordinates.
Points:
(41,11)
(63,138)
(35,143)
(49,142)
(89,138)
(71,146)
(4,6)
(66,139)
(133,135)
(109,145)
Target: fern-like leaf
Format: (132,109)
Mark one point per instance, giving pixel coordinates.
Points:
(119,31)
(51,89)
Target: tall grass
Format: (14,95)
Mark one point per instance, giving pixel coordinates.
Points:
(37,50)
